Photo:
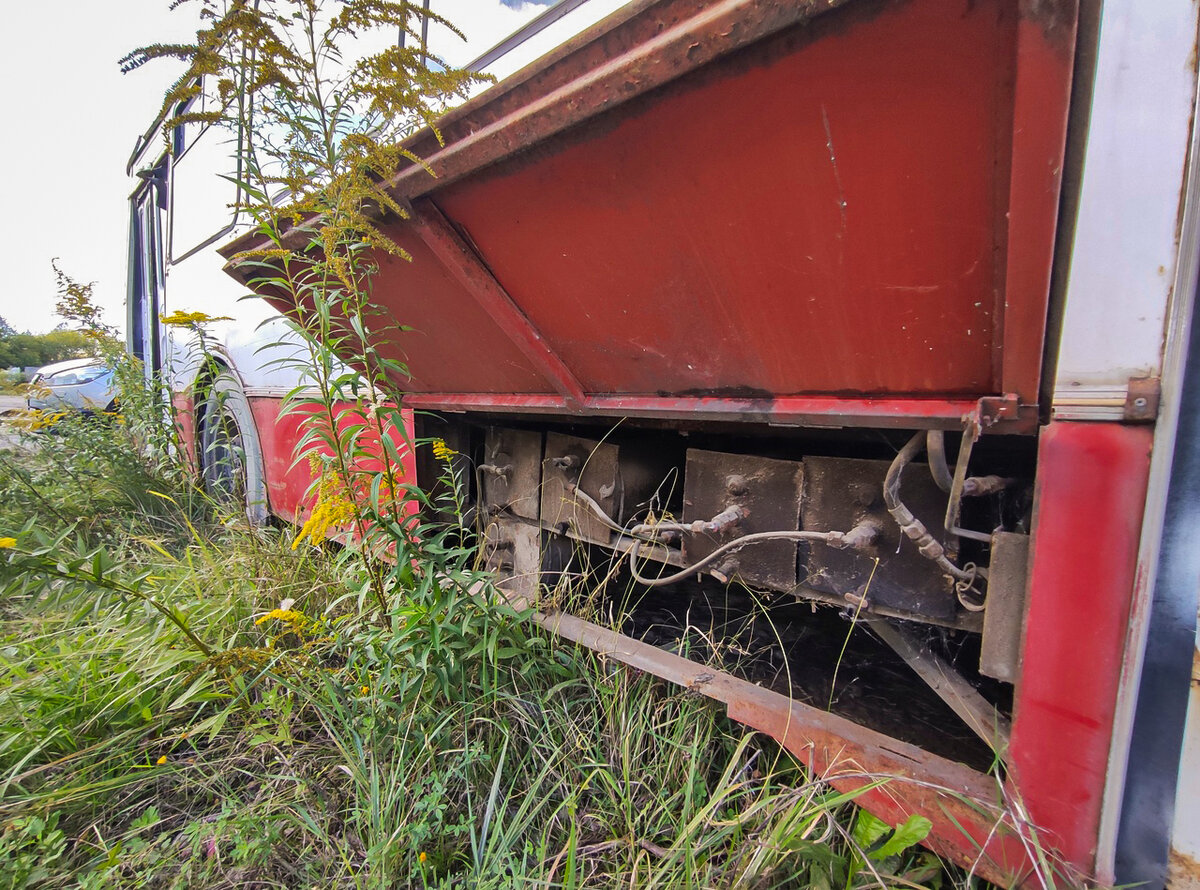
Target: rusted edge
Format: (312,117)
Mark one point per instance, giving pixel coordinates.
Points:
(714,31)
(576,88)
(970,826)
(819,411)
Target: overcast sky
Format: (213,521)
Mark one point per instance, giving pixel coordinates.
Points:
(71,119)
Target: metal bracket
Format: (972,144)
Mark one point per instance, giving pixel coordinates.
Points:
(991,410)
(1141,400)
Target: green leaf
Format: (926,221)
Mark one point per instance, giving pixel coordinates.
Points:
(911,833)
(868,829)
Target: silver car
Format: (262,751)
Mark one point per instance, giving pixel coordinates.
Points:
(79,384)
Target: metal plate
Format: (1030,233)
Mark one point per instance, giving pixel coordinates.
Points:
(1004,617)
(512,471)
(596,471)
(838,495)
(769,492)
(512,550)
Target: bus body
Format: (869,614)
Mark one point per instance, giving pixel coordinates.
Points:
(903,288)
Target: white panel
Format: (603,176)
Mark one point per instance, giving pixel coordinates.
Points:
(1124,253)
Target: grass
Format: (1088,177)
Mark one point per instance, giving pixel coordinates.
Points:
(188,702)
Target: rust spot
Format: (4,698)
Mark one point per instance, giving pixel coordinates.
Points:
(1183,872)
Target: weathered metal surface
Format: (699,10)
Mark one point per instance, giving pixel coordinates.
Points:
(767,492)
(1091,488)
(588,466)
(1141,399)
(511,473)
(866,217)
(288,479)
(781,411)
(512,549)
(669,40)
(763,256)
(1183,872)
(1004,617)
(969,825)
(839,494)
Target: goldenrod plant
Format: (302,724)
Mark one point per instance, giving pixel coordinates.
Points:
(318,128)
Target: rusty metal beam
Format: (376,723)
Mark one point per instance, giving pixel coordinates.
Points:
(816,411)
(970,825)
(460,259)
(964,699)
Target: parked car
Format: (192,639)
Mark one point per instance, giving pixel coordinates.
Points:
(80,384)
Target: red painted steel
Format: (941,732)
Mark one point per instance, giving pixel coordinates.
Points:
(464,264)
(185,428)
(859,205)
(278,434)
(816,217)
(288,480)
(1045,54)
(1091,491)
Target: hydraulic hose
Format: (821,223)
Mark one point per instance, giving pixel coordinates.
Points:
(939,468)
(927,545)
(860,536)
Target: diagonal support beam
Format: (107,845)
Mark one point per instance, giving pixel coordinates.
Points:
(963,698)
(430,225)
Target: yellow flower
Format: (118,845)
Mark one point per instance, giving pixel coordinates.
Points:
(8,543)
(179,319)
(161,760)
(366,689)
(421,858)
(442,451)
(281,615)
(333,508)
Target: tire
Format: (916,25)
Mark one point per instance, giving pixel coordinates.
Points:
(230,459)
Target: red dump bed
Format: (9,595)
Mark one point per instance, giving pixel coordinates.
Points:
(827,212)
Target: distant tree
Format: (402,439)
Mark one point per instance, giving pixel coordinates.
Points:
(26,350)
(35,350)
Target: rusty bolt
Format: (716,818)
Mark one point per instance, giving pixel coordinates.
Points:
(736,484)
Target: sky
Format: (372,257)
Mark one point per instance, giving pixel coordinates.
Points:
(70,122)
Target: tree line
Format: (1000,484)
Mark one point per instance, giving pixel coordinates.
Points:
(26,350)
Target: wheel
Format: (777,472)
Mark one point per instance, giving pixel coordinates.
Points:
(231,463)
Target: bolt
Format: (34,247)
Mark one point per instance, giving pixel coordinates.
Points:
(1139,402)
(735,484)
(864,495)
